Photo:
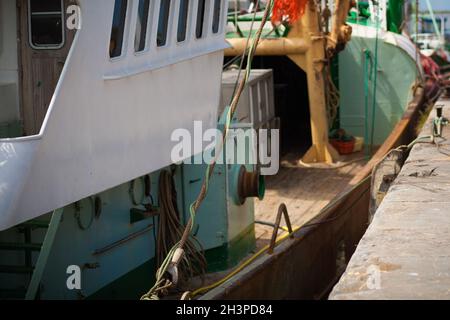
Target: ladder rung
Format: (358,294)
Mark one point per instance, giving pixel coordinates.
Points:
(20,246)
(36,224)
(16,269)
(12,294)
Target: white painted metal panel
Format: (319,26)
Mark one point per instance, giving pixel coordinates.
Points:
(110,121)
(256,105)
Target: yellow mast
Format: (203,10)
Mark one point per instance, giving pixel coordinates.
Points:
(305,46)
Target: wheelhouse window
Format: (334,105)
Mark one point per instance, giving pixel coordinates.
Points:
(182,20)
(46,24)
(216,15)
(118,28)
(141,25)
(163,23)
(200,18)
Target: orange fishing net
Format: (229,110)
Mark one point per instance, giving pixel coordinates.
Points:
(290,9)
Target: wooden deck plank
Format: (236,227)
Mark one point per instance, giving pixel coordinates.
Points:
(304,190)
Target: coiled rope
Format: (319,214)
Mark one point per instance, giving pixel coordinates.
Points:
(170,230)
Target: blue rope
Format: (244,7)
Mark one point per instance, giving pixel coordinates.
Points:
(375,78)
(367,76)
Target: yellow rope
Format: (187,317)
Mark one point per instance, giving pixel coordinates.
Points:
(242,266)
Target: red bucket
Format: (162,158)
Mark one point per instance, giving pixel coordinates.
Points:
(343,147)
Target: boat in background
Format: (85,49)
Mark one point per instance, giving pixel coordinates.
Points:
(427,42)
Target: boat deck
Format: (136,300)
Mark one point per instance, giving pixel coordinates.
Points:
(304,190)
(405,251)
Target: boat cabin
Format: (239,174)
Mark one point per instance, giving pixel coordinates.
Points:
(145,67)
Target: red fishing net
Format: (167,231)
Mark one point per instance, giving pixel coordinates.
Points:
(289,10)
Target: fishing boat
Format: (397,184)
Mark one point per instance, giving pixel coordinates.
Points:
(97,95)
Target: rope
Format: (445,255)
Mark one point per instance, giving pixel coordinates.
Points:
(333,96)
(172,258)
(170,230)
(417,34)
(245,52)
(236,12)
(433,19)
(367,76)
(335,166)
(374,101)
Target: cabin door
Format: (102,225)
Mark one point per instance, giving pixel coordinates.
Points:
(44,44)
